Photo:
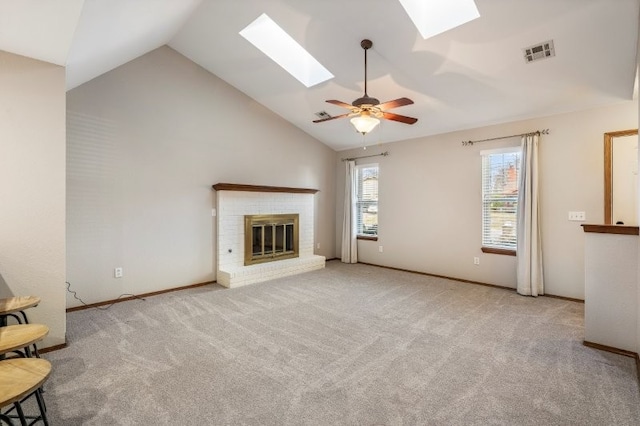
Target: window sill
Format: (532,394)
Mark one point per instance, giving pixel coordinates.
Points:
(367,237)
(492,250)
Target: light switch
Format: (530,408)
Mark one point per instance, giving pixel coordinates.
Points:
(577,216)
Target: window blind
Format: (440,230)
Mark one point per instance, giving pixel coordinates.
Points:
(366,199)
(500,177)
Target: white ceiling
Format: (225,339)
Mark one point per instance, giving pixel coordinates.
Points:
(470,76)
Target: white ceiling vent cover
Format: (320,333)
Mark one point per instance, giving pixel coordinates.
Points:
(539,51)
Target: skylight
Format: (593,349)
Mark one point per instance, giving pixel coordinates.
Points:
(274,42)
(437,16)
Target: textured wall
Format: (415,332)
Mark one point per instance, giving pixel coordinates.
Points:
(232,207)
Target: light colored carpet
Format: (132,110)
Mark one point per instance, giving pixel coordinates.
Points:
(350,344)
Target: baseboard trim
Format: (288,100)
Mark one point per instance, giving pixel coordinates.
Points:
(623,352)
(52,348)
(440,276)
(569,299)
(611,349)
(153,293)
(139,296)
(462,280)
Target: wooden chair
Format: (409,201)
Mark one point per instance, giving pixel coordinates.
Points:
(20,379)
(13,306)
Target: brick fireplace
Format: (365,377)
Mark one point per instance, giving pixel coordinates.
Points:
(234,204)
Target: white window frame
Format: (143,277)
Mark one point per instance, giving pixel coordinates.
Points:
(505,240)
(361,200)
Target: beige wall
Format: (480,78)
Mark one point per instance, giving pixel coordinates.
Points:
(430,215)
(145,143)
(637,207)
(32,187)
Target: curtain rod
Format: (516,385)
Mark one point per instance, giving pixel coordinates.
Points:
(537,132)
(382,154)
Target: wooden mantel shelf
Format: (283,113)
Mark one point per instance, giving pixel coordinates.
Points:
(611,229)
(261,188)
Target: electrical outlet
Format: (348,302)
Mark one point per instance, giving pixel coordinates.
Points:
(380,249)
(318,246)
(577,216)
(476,260)
(117,273)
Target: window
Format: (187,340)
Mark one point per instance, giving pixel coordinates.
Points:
(274,42)
(367,200)
(500,176)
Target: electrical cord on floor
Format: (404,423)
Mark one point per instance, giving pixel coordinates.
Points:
(75,296)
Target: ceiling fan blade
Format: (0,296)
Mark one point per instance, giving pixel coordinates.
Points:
(331,118)
(400,118)
(340,104)
(395,103)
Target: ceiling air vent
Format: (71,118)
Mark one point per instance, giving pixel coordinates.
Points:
(539,51)
(323,114)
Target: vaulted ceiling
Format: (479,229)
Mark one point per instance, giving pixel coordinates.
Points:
(470,76)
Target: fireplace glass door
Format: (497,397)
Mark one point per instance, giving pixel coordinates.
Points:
(269,238)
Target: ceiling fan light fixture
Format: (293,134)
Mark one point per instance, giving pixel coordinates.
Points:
(367,110)
(364,123)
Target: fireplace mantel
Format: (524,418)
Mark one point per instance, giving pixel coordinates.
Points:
(261,188)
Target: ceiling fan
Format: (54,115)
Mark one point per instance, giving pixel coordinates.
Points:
(366,111)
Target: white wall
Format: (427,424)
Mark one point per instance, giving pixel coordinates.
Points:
(611,280)
(145,143)
(429,208)
(32,188)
